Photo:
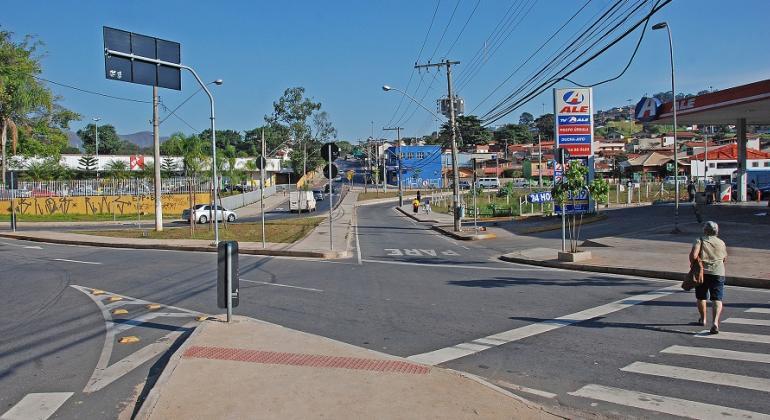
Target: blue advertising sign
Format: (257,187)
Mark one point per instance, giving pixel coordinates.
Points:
(540,197)
(574,119)
(575,140)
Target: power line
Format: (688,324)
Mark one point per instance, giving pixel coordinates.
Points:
(165,108)
(179,106)
(91,91)
(451,47)
(451,17)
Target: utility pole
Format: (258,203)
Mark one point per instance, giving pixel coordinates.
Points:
(96,144)
(156,159)
(455,175)
(398,157)
(262,164)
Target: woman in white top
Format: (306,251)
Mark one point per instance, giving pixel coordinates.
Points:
(713,253)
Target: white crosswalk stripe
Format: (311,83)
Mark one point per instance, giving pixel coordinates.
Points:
(663,404)
(38,406)
(719,375)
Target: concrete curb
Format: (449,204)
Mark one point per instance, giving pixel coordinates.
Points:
(415,217)
(179,247)
(463,237)
(145,410)
(557,226)
(659,274)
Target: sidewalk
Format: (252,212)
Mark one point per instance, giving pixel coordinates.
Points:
(444,223)
(343,219)
(658,253)
(254,209)
(263,370)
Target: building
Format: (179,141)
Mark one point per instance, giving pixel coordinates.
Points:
(421,166)
(651,166)
(723,162)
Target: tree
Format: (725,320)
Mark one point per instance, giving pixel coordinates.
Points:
(292,110)
(469,131)
(168,166)
(544,124)
(513,133)
(87,164)
(109,141)
(276,135)
(24,101)
(526,119)
(345,147)
(47,169)
(229,141)
(118,169)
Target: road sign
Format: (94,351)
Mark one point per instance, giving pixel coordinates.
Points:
(261,163)
(138,71)
(540,197)
(335,152)
(334,169)
(574,120)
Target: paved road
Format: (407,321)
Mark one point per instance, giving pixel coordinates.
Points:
(575,342)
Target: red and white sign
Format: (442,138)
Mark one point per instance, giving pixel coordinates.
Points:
(136,162)
(578,149)
(574,129)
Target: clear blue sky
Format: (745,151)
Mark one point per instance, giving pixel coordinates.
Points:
(342,52)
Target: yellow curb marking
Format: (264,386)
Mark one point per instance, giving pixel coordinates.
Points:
(97,292)
(203,318)
(119,312)
(153,306)
(115,298)
(128,339)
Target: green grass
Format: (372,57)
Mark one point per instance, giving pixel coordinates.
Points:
(373,195)
(282,231)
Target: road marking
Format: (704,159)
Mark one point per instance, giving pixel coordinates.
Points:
(718,353)
(532,391)
(358,244)
(104,373)
(37,406)
(22,246)
(749,338)
(759,310)
(474,267)
(661,404)
(465,349)
(697,375)
(76,261)
(310,289)
(748,321)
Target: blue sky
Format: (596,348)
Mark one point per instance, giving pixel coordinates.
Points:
(342,52)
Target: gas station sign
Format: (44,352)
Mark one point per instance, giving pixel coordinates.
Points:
(574,120)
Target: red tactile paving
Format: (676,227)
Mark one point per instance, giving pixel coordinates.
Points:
(301,359)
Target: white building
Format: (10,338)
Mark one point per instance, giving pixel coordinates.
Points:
(723,162)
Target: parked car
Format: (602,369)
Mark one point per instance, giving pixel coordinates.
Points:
(488,183)
(464,185)
(672,180)
(202,213)
(318,195)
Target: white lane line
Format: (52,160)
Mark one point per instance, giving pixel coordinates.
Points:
(697,375)
(358,244)
(465,349)
(310,289)
(520,388)
(661,404)
(457,266)
(748,321)
(718,353)
(749,338)
(37,406)
(76,261)
(758,310)
(22,246)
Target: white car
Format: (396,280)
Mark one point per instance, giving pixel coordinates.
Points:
(202,213)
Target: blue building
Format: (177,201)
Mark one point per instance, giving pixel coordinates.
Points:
(420,166)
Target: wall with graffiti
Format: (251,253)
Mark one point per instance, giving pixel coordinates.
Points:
(173,204)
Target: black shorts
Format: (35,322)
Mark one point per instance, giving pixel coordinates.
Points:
(713,285)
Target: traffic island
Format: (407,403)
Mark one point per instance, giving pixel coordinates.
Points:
(464,234)
(264,370)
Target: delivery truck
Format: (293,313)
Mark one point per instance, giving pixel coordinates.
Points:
(300,201)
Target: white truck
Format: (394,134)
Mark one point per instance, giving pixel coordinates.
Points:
(300,201)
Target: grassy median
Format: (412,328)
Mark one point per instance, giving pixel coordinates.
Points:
(392,193)
(283,231)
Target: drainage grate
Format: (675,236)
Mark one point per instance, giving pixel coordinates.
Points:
(301,359)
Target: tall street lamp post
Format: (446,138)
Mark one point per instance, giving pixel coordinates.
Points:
(96,143)
(657,26)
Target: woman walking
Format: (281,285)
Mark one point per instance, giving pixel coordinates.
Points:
(712,252)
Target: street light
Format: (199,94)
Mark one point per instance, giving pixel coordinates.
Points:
(96,143)
(657,26)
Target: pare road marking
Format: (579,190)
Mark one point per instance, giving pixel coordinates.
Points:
(414,252)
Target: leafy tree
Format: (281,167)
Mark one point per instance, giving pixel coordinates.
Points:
(87,164)
(526,119)
(469,131)
(229,141)
(47,169)
(276,135)
(345,147)
(118,169)
(24,101)
(544,124)
(109,141)
(513,133)
(292,110)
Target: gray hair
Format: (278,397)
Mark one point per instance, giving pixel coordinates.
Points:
(710,228)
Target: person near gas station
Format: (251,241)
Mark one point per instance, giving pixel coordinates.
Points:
(691,191)
(416,205)
(712,252)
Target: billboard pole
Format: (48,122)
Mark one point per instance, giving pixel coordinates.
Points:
(156,159)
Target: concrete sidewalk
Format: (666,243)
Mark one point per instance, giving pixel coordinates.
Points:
(444,223)
(254,209)
(253,369)
(660,254)
(343,219)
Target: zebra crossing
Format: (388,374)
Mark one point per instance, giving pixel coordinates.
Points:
(709,348)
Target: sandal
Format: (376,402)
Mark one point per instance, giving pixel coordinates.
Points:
(714,330)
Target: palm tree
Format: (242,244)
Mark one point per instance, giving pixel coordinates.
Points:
(118,169)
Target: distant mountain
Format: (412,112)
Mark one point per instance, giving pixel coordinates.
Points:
(142,139)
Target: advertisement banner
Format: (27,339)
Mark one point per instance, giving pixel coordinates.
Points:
(574,132)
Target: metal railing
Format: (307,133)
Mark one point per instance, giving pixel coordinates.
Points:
(98,187)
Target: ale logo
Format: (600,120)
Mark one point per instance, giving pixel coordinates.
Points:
(573,97)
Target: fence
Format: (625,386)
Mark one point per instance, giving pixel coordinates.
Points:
(100,187)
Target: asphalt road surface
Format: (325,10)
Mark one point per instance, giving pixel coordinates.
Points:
(578,343)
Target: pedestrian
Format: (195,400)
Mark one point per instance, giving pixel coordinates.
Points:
(419,196)
(416,205)
(691,191)
(426,205)
(712,252)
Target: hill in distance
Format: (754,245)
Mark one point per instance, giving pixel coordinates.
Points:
(142,139)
